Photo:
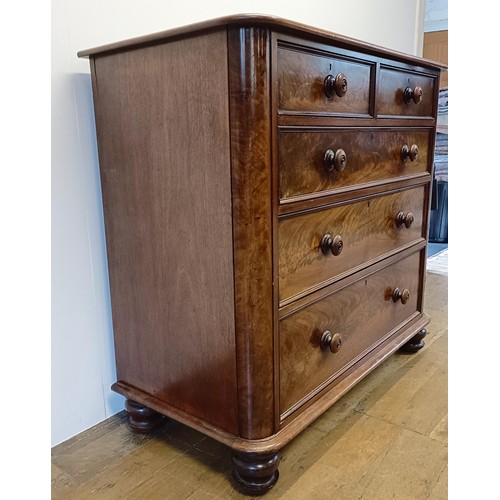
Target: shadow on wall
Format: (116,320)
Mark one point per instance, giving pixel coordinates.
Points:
(82,353)
(90,171)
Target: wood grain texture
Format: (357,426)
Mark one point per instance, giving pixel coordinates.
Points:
(372,155)
(249,92)
(362,313)
(313,201)
(301,78)
(390,94)
(219,283)
(316,120)
(291,307)
(369,232)
(397,417)
(165,169)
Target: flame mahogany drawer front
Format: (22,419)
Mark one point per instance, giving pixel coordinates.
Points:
(323,84)
(323,340)
(265,231)
(361,232)
(313,163)
(405,93)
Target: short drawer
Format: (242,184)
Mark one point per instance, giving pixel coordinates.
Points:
(350,322)
(309,82)
(313,162)
(319,247)
(402,93)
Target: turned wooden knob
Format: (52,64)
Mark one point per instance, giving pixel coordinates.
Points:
(335,160)
(411,153)
(405,219)
(331,341)
(414,95)
(335,85)
(402,295)
(332,244)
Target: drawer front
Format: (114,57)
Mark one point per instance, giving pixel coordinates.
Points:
(311,162)
(363,314)
(368,229)
(392,99)
(301,83)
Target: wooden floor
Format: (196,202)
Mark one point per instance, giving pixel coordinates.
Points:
(386,439)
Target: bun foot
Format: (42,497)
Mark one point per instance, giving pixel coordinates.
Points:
(256,473)
(141,418)
(415,343)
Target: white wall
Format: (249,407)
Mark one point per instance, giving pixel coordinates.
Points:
(82,346)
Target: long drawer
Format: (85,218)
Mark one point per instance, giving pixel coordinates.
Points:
(321,341)
(319,247)
(326,160)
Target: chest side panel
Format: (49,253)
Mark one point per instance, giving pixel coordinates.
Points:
(162,123)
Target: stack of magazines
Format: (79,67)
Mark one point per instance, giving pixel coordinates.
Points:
(441,149)
(443,101)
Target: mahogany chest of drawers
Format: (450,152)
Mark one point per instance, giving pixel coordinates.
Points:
(266,195)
